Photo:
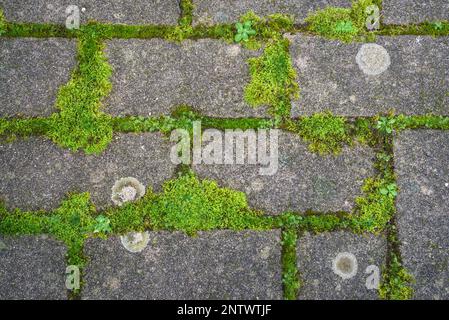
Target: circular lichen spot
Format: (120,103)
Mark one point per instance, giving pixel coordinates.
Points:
(373,59)
(126,190)
(345,265)
(135,241)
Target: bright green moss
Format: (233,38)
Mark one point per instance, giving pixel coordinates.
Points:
(273,79)
(290,277)
(190,205)
(80,123)
(71,223)
(396,281)
(374,210)
(186,12)
(324,132)
(340,23)
(2,23)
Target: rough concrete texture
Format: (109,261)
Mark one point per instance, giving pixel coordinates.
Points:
(31,72)
(114,11)
(303,180)
(153,77)
(212,265)
(414,11)
(229,11)
(421,162)
(32,268)
(315,254)
(416,82)
(37,174)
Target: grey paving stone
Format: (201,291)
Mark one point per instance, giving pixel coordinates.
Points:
(413,11)
(416,82)
(32,268)
(229,11)
(212,265)
(114,11)
(37,174)
(316,253)
(422,168)
(152,77)
(31,72)
(303,180)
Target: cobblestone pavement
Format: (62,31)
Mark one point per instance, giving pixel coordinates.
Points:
(99,199)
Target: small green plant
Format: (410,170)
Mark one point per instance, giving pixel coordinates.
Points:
(437,25)
(389,190)
(244,31)
(102,225)
(385,125)
(345,27)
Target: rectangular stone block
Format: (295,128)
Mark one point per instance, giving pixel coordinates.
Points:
(412,11)
(229,11)
(302,181)
(31,73)
(422,168)
(32,268)
(112,11)
(37,174)
(333,266)
(408,74)
(153,77)
(212,265)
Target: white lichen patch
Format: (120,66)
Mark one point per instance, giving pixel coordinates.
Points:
(345,265)
(126,190)
(373,59)
(135,241)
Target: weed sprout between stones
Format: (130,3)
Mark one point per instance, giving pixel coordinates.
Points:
(244,31)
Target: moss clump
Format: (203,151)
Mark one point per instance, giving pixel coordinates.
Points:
(71,223)
(269,27)
(396,282)
(340,23)
(324,132)
(290,277)
(273,79)
(189,204)
(80,124)
(376,208)
(2,23)
(187,7)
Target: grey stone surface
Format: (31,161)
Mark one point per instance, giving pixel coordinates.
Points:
(303,180)
(315,254)
(416,82)
(229,11)
(114,11)
(212,265)
(414,11)
(32,268)
(37,174)
(422,168)
(152,77)
(31,72)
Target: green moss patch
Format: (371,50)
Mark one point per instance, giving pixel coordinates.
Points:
(2,23)
(324,132)
(290,276)
(273,79)
(340,23)
(396,281)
